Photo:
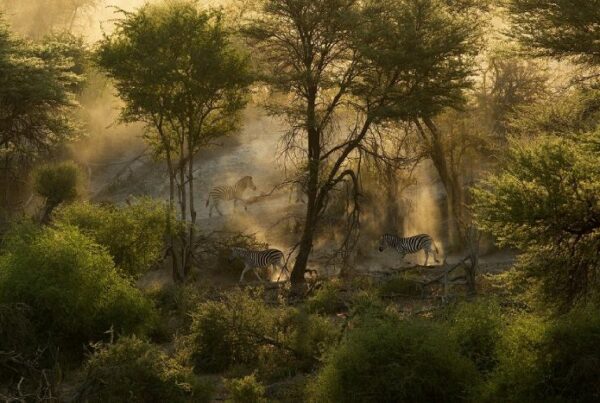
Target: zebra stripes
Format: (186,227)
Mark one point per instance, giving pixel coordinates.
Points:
(406,246)
(258,260)
(228,193)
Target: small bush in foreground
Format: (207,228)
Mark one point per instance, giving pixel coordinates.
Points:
(327,299)
(557,360)
(246,390)
(408,361)
(137,371)
(477,328)
(71,285)
(133,235)
(228,332)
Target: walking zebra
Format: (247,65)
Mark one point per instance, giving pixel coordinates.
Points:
(227,193)
(406,246)
(258,259)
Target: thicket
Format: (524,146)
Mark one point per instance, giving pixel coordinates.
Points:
(138,371)
(240,332)
(542,360)
(395,361)
(71,285)
(135,235)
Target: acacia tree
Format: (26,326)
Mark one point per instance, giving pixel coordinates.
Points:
(350,66)
(38,86)
(176,69)
(558,28)
(545,203)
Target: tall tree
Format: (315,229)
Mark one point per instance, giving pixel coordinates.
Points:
(38,84)
(177,70)
(350,66)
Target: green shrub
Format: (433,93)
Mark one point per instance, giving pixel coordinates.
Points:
(389,361)
(133,370)
(401,285)
(16,330)
(246,390)
(228,332)
(71,285)
(134,235)
(327,299)
(240,333)
(542,361)
(57,183)
(477,327)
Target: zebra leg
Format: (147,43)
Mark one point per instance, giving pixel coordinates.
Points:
(258,275)
(426,256)
(216,204)
(246,268)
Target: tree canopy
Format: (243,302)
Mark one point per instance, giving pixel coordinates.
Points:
(558,28)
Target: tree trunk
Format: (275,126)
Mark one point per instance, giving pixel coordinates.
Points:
(192,228)
(312,210)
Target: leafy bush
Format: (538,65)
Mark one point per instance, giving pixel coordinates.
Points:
(477,328)
(544,204)
(228,332)
(71,285)
(554,361)
(388,361)
(327,299)
(57,184)
(134,235)
(16,330)
(137,371)
(401,285)
(239,332)
(246,390)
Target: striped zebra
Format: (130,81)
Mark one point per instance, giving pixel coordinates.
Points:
(227,193)
(258,259)
(406,246)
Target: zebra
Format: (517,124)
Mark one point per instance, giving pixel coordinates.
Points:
(227,193)
(258,259)
(406,246)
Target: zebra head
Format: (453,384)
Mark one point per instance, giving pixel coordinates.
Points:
(246,182)
(383,243)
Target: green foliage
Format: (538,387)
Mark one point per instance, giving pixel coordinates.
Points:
(134,235)
(554,361)
(71,285)
(545,203)
(16,330)
(140,372)
(477,327)
(239,332)
(400,285)
(188,91)
(228,332)
(558,28)
(57,183)
(327,299)
(37,87)
(246,390)
(391,361)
